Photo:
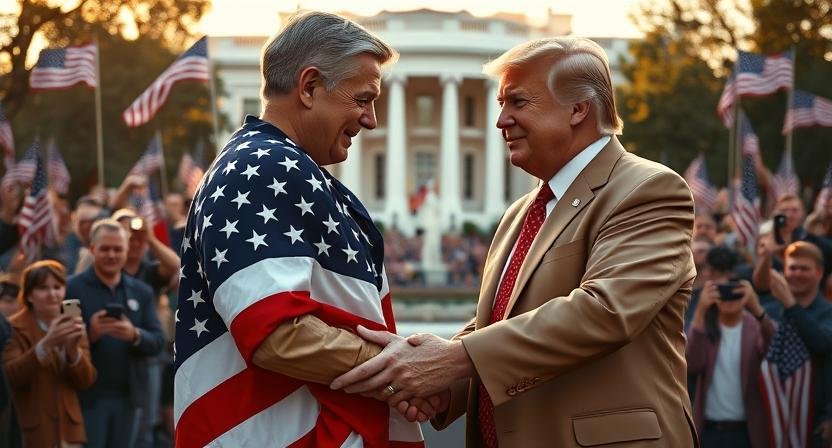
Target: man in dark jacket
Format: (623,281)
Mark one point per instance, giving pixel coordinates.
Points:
(124,332)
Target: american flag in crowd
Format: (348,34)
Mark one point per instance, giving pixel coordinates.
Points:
(807,110)
(271,236)
(24,170)
(58,172)
(787,388)
(750,141)
(59,68)
(192,65)
(755,75)
(151,161)
(704,193)
(746,211)
(148,205)
(191,169)
(6,139)
(825,189)
(785,180)
(36,222)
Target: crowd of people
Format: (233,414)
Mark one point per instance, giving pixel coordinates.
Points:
(104,377)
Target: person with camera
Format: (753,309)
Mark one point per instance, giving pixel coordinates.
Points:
(124,332)
(47,360)
(727,340)
(788,217)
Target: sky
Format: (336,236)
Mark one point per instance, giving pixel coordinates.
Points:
(259,17)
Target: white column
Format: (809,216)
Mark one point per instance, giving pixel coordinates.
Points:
(495,149)
(449,190)
(351,168)
(395,201)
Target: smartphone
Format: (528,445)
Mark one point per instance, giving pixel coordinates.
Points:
(726,291)
(779,223)
(114,310)
(71,307)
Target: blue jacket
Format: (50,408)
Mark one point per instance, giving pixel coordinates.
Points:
(122,366)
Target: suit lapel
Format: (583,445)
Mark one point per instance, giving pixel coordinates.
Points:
(504,239)
(577,196)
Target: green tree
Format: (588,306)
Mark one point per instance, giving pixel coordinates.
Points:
(690,50)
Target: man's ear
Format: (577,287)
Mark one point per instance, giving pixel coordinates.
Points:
(579,112)
(310,79)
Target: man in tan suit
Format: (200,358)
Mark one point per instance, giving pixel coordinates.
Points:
(578,338)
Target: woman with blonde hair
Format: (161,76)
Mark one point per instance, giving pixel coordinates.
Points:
(47,361)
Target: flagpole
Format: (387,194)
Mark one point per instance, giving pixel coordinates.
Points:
(163,172)
(99,136)
(212,89)
(789,102)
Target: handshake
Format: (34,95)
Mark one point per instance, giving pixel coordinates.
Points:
(413,375)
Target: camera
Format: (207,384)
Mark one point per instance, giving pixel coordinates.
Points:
(779,223)
(136,224)
(726,291)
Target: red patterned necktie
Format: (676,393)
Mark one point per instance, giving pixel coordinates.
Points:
(531,227)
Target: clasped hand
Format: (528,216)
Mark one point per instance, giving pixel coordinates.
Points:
(411,374)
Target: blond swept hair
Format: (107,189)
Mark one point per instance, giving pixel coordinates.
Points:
(580,71)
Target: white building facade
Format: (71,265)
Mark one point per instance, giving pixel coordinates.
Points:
(436,114)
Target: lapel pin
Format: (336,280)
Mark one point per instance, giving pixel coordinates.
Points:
(576,202)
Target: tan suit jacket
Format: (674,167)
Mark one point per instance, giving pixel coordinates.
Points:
(45,396)
(592,350)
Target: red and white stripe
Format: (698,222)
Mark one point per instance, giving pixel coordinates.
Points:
(746,219)
(79,66)
(778,73)
(221,399)
(35,222)
(789,405)
(820,114)
(144,108)
(724,107)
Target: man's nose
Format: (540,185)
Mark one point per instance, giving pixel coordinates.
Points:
(368,118)
(504,120)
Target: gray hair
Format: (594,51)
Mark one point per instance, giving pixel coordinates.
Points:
(108,225)
(317,39)
(580,70)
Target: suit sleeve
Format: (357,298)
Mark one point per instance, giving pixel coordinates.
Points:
(627,281)
(696,351)
(20,361)
(458,403)
(308,349)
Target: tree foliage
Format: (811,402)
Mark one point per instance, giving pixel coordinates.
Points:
(128,66)
(677,73)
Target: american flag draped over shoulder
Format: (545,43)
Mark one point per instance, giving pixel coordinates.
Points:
(785,180)
(807,110)
(36,216)
(746,212)
(271,236)
(787,388)
(704,193)
(191,65)
(755,75)
(60,68)
(58,172)
(6,139)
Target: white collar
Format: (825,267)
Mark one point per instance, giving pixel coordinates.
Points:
(561,181)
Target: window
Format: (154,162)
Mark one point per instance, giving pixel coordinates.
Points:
(424,110)
(468,177)
(469,111)
(251,106)
(425,168)
(380,176)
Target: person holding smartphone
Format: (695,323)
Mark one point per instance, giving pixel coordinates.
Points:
(124,333)
(727,340)
(47,361)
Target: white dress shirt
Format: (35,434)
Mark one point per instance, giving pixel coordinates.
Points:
(562,180)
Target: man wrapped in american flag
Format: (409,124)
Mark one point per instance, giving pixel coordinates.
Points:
(281,262)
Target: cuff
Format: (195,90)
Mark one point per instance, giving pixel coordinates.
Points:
(77,359)
(40,352)
(138,340)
